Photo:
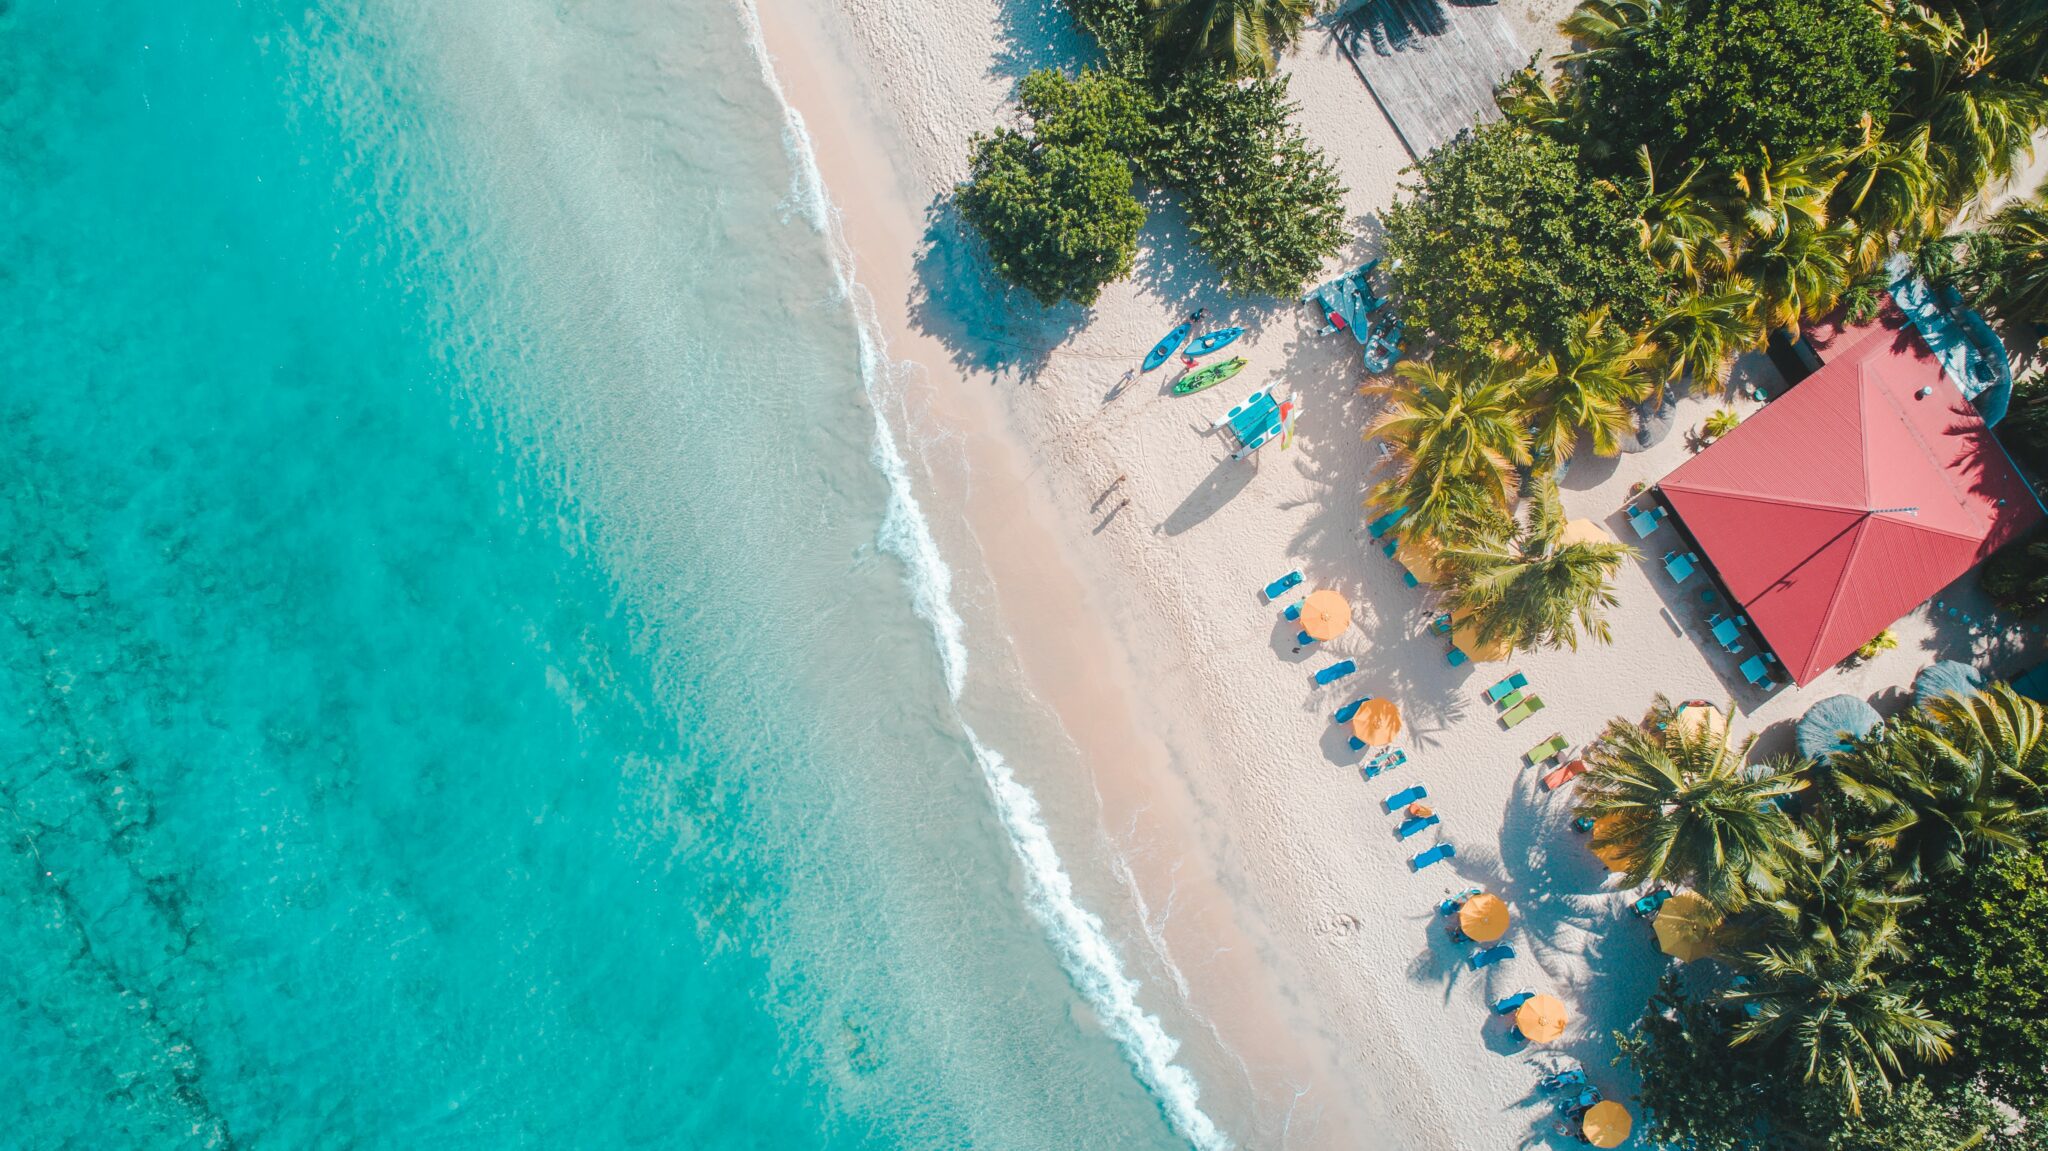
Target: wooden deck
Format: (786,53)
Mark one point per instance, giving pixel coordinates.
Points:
(1432,65)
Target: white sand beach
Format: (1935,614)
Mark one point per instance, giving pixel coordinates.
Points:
(1305,940)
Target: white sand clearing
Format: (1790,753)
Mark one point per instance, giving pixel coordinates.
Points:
(1263,868)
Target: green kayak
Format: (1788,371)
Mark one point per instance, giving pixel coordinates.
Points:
(1210,376)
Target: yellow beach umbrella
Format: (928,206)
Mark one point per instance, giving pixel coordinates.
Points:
(1483,918)
(1376,722)
(1418,555)
(1541,1019)
(1607,1124)
(1693,716)
(1325,614)
(1465,635)
(1614,855)
(1685,926)
(1584,532)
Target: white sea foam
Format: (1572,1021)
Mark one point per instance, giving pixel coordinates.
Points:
(1077,934)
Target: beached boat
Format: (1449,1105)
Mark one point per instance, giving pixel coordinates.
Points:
(1169,344)
(1212,340)
(1209,377)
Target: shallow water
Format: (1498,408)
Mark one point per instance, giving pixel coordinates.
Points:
(463,677)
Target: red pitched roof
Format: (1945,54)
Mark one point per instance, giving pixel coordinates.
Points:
(1800,509)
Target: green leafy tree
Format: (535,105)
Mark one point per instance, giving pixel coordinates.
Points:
(1505,241)
(1532,588)
(1835,1017)
(1055,204)
(1696,1092)
(1244,37)
(2017,577)
(1267,208)
(1967,778)
(1453,431)
(1722,81)
(1980,944)
(1681,808)
(1588,386)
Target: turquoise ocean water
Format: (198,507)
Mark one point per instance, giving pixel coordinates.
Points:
(471,671)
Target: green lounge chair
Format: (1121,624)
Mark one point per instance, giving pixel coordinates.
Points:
(1522,711)
(1548,750)
(1512,699)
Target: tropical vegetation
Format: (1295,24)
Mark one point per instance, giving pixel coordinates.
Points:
(1265,208)
(1053,201)
(1696,178)
(1535,586)
(1883,917)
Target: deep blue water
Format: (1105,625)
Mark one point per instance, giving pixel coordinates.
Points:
(456,688)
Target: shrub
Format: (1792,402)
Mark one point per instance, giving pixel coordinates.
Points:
(1505,240)
(1055,204)
(1720,423)
(1980,943)
(1725,80)
(1266,208)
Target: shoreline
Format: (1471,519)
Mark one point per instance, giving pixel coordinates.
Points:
(1205,804)
(1050,616)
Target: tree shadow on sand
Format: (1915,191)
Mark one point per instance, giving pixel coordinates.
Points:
(984,324)
(1034,34)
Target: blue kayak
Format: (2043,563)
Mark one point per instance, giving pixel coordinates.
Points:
(1168,346)
(1210,341)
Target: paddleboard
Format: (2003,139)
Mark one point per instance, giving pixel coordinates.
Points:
(1210,376)
(1168,346)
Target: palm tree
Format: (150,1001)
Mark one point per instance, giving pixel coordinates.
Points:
(1829,901)
(1453,431)
(1679,806)
(1531,588)
(1683,230)
(1798,275)
(1890,193)
(2021,292)
(1605,27)
(1781,196)
(1542,106)
(1833,1014)
(1968,777)
(1244,36)
(1591,385)
(1701,332)
(1974,93)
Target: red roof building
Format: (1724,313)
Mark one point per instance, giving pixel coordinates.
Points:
(1851,499)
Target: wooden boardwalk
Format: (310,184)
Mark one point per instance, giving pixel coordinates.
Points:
(1431,65)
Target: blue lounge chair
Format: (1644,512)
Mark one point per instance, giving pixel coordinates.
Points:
(1413,824)
(1293,612)
(1392,545)
(1302,639)
(1450,906)
(1582,824)
(1386,523)
(1345,713)
(1437,854)
(1503,1006)
(1455,657)
(1335,672)
(1405,796)
(1441,625)
(1408,578)
(1488,956)
(1385,761)
(1279,587)
(1357,744)
(1506,687)
(1648,904)
(1561,1080)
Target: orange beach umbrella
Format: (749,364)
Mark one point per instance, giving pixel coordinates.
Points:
(1541,1019)
(1607,1124)
(1484,917)
(1325,614)
(1376,722)
(1465,637)
(1614,855)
